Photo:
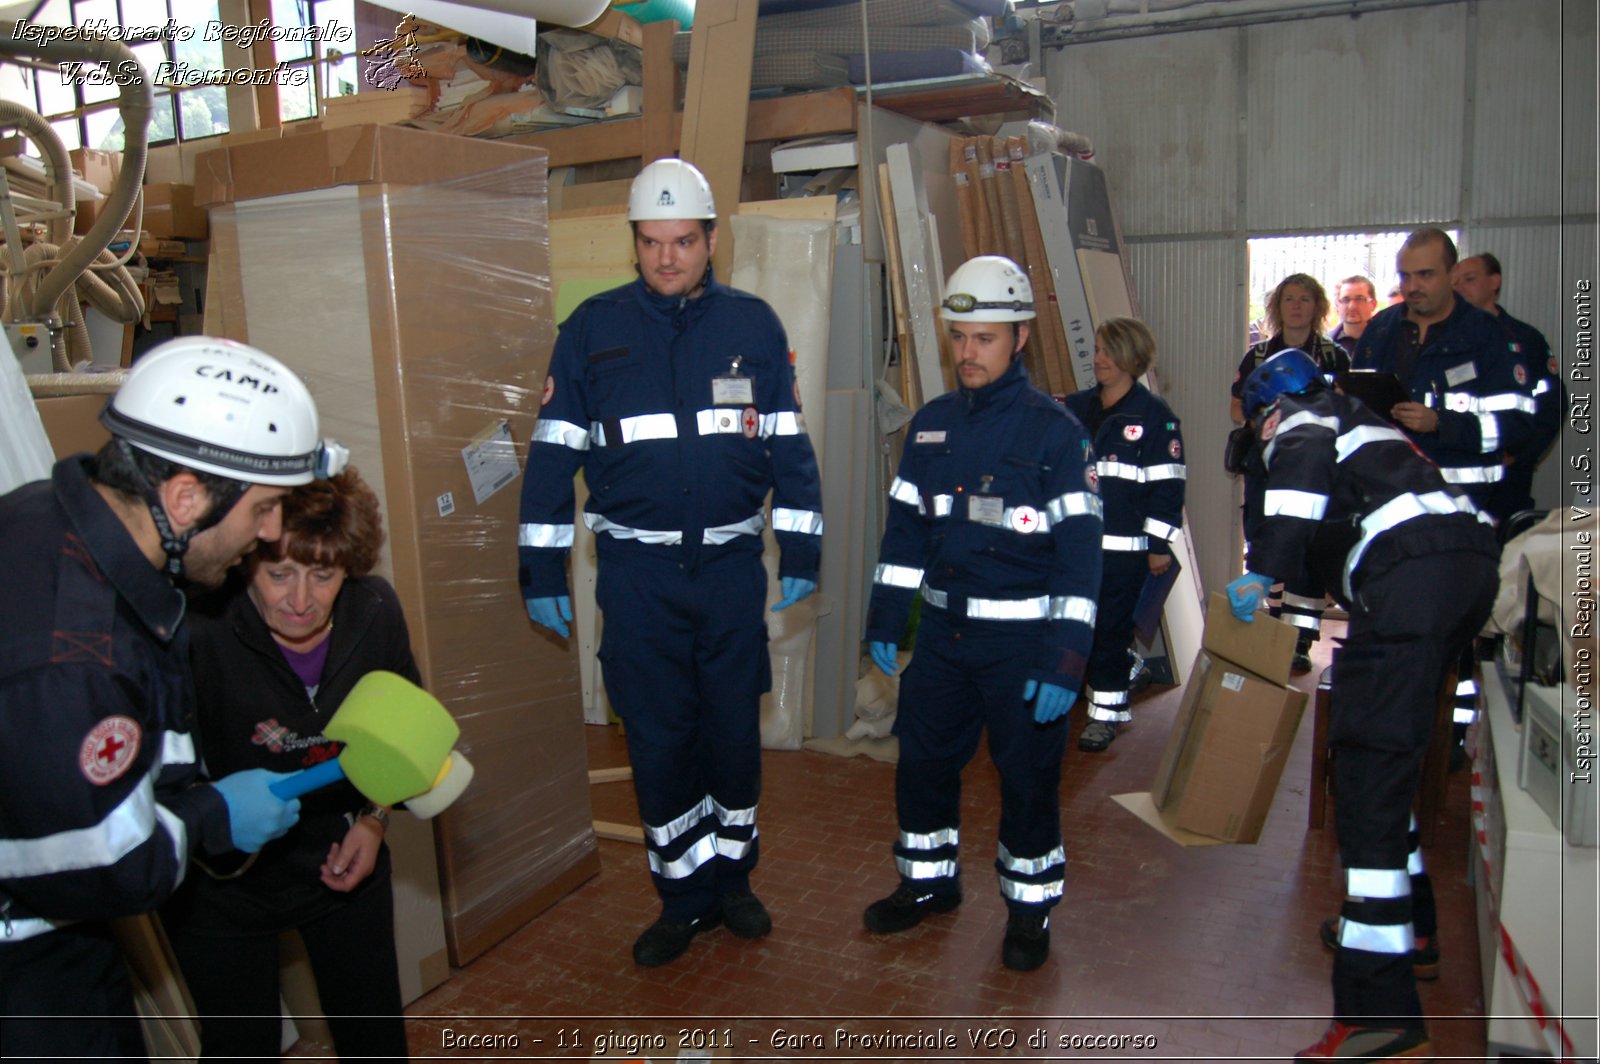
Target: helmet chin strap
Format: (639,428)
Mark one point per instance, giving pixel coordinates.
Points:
(173,544)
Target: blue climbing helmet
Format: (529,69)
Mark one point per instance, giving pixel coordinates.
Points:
(1289,372)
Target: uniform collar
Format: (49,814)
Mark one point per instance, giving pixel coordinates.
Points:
(666,308)
(113,551)
(1010,383)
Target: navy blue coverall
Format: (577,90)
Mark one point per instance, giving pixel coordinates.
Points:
(1139,457)
(996,516)
(1416,566)
(97,815)
(682,414)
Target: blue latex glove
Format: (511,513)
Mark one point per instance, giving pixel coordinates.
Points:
(1245,595)
(883,656)
(553,612)
(1054,700)
(256,816)
(794,589)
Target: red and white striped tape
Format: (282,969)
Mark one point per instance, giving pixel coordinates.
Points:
(1556,1038)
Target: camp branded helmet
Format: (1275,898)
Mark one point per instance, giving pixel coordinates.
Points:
(670,190)
(223,407)
(1289,372)
(988,288)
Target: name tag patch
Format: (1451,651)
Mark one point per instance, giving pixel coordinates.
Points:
(930,436)
(732,391)
(1459,374)
(986,510)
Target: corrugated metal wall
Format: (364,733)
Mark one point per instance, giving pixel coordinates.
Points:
(1478,115)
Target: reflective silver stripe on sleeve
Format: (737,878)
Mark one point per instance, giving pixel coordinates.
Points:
(897,576)
(1167,471)
(943,505)
(1074,504)
(176,830)
(699,852)
(598,524)
(720,534)
(561,433)
(1377,883)
(1473,474)
(1129,543)
(1032,866)
(664,834)
(903,491)
(119,833)
(782,423)
(1110,467)
(1351,442)
(1397,511)
(1160,529)
(926,869)
(1542,387)
(1376,938)
(1030,893)
(1302,418)
(719,422)
(787,519)
(545,536)
(1073,608)
(930,840)
(1488,433)
(18,929)
(1282,502)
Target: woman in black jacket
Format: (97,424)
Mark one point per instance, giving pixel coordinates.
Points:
(272,661)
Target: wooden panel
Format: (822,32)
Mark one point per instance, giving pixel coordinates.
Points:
(659,137)
(716,105)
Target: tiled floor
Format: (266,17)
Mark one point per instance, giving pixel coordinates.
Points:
(1210,951)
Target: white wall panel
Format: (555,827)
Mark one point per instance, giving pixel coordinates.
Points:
(1191,295)
(1516,130)
(1160,112)
(1579,126)
(1356,121)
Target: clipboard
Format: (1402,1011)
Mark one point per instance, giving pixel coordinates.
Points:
(1152,597)
(1379,391)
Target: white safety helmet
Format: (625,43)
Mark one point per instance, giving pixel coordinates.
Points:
(223,407)
(670,190)
(988,288)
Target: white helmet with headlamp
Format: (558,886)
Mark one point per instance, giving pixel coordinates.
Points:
(988,288)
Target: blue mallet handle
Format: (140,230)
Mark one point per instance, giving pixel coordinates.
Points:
(313,778)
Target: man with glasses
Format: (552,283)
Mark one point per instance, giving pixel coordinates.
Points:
(1356,302)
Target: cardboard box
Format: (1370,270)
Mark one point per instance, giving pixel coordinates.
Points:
(380,106)
(99,168)
(73,421)
(1231,738)
(353,155)
(170,212)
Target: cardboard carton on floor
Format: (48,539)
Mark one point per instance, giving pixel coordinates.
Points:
(1230,741)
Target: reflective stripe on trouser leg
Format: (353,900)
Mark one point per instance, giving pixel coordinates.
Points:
(1031,881)
(952,690)
(686,673)
(1466,701)
(1123,577)
(1424,913)
(929,861)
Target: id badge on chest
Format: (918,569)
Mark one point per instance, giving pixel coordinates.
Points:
(733,388)
(986,510)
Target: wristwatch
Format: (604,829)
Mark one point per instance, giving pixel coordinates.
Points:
(376,812)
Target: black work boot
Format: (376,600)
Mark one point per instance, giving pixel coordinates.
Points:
(1027,942)
(745,916)
(665,940)
(905,908)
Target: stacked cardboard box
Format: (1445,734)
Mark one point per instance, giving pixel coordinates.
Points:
(1231,739)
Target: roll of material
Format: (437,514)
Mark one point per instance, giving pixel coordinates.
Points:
(508,24)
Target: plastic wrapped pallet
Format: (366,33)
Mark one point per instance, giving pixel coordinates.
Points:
(406,276)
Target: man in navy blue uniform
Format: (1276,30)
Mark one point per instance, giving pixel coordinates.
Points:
(675,396)
(1471,389)
(1477,280)
(995,516)
(99,805)
(1415,563)
(1139,456)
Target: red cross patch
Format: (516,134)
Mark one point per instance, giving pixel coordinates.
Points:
(109,749)
(750,423)
(549,391)
(1521,374)
(1091,477)
(1131,433)
(1024,519)
(1175,449)
(1270,426)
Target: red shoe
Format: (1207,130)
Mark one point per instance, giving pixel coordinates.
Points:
(1343,1042)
